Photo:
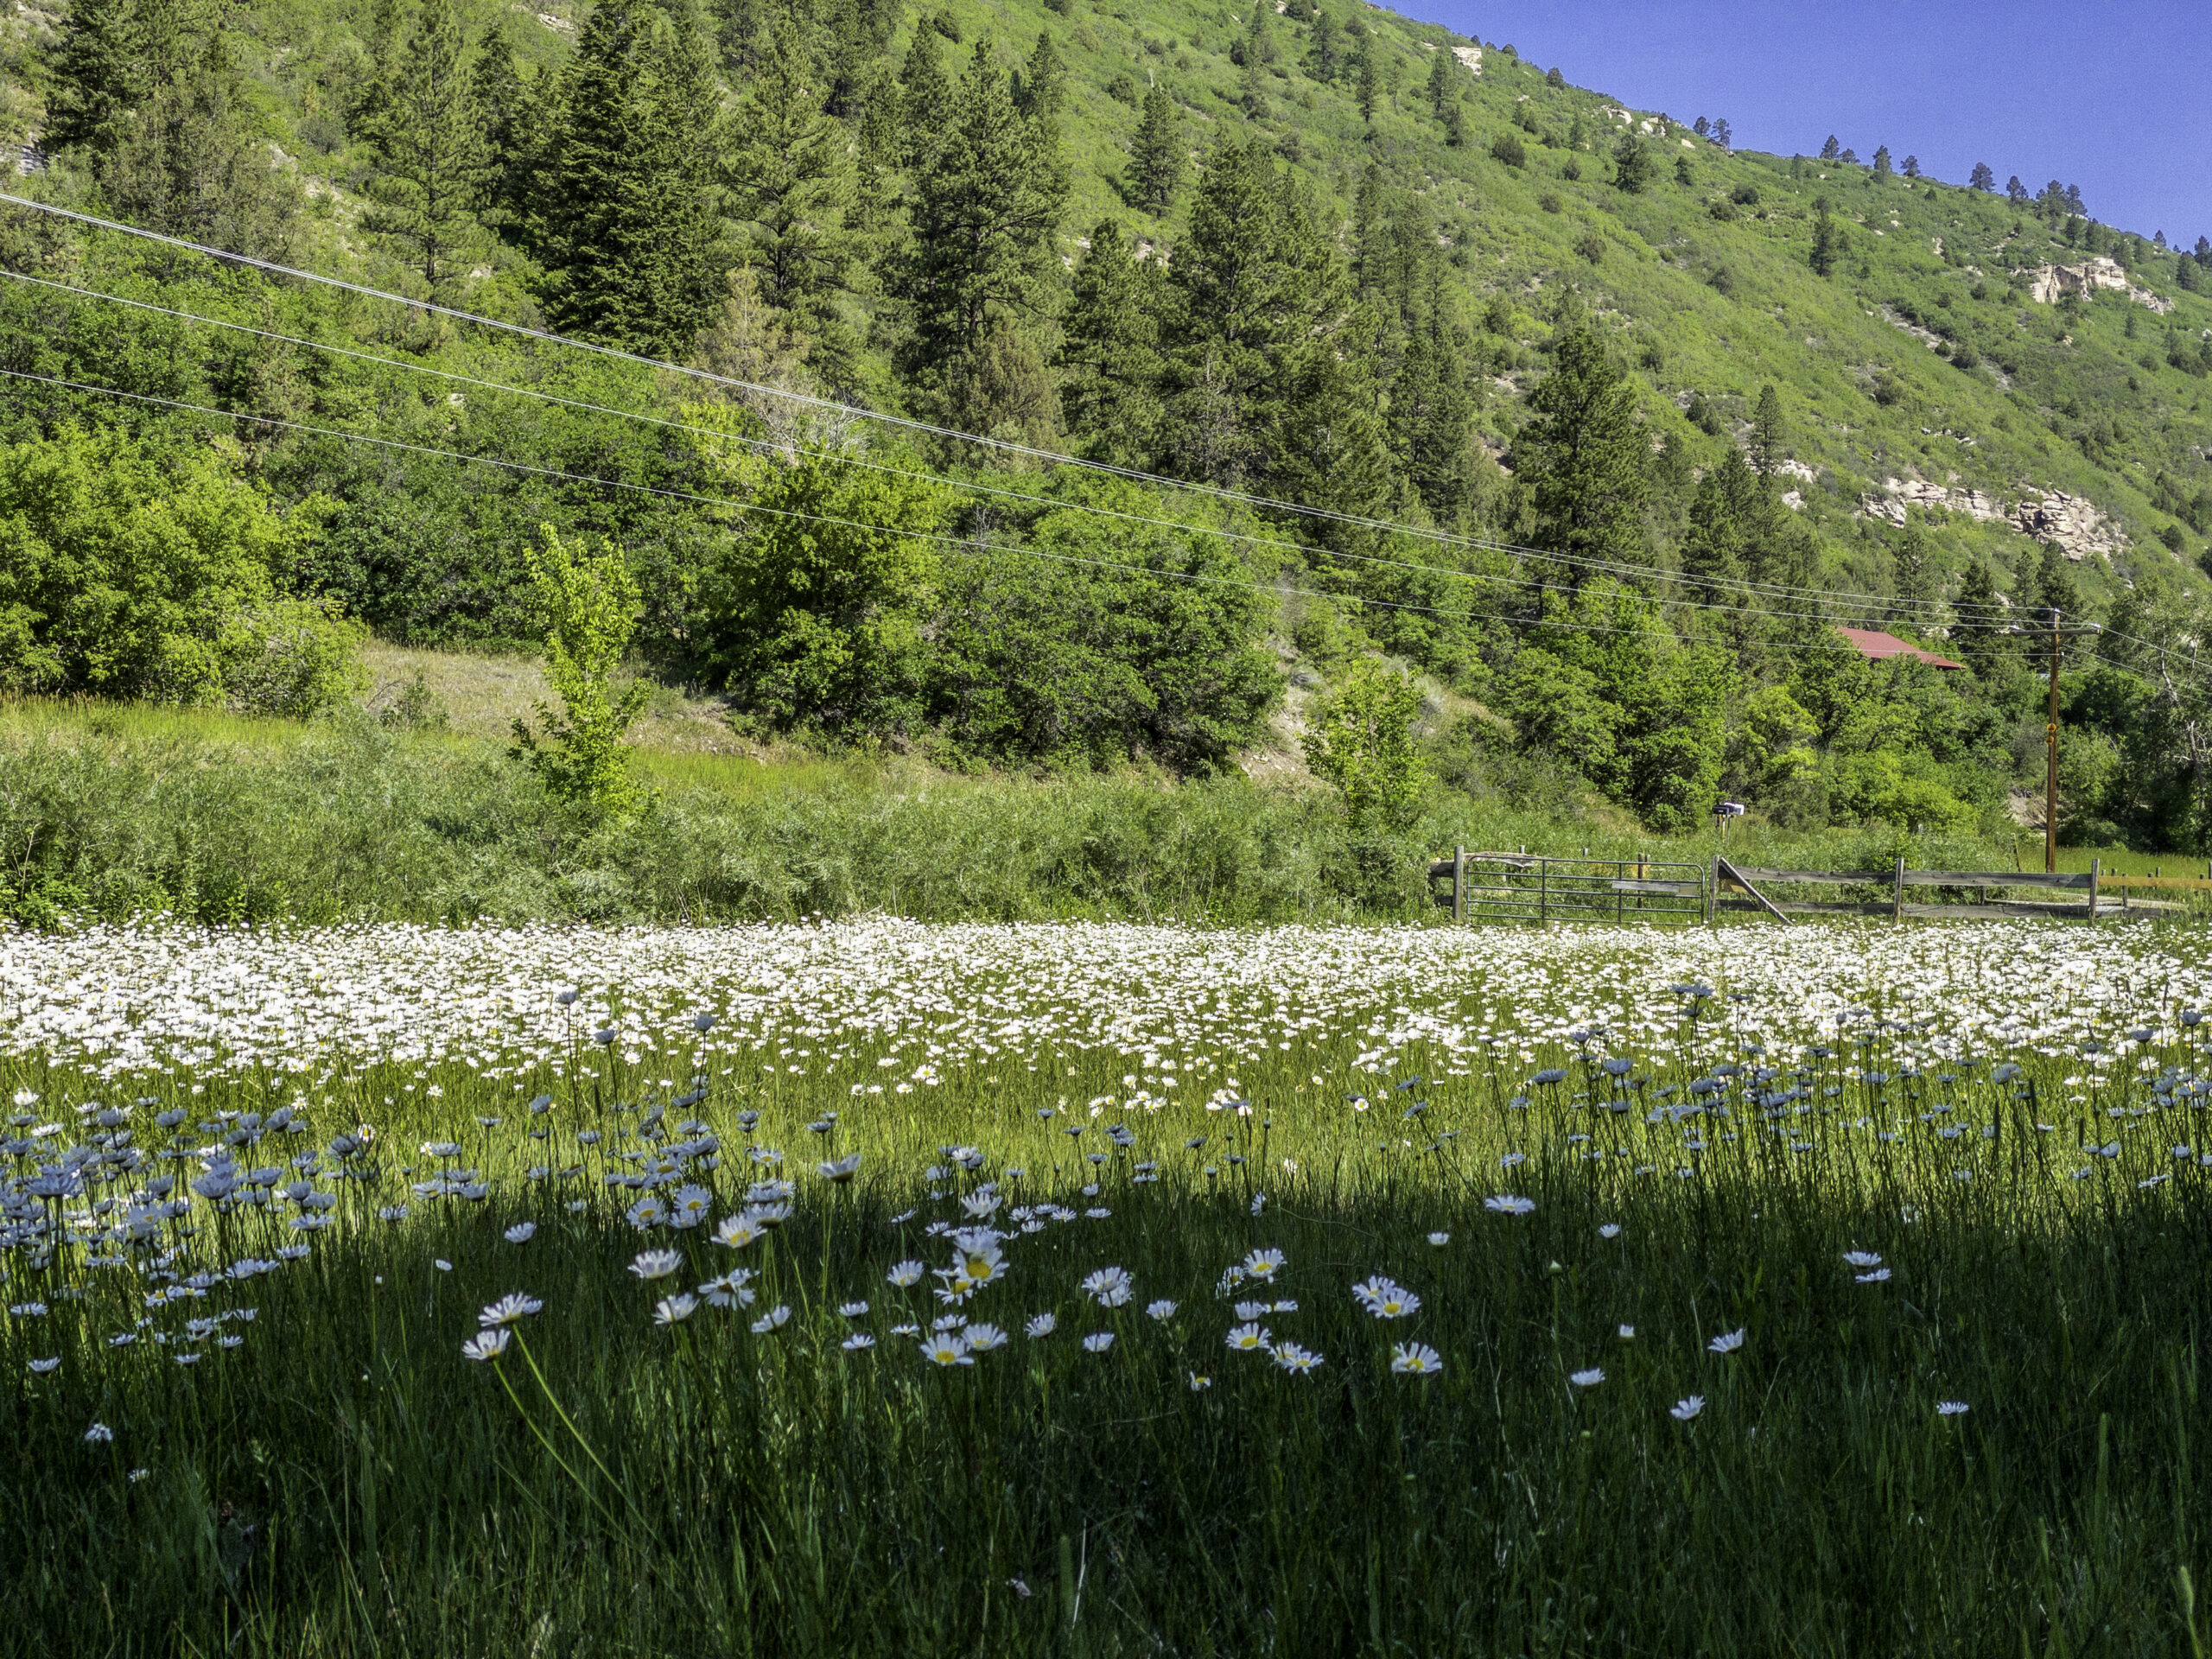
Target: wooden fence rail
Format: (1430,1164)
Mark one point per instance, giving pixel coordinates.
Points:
(1748,880)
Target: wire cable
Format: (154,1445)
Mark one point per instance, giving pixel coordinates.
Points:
(771,446)
(967,549)
(1052,457)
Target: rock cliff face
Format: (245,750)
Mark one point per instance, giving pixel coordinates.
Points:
(1469,55)
(2049,284)
(2077,524)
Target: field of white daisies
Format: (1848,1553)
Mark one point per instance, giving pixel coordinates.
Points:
(879,1287)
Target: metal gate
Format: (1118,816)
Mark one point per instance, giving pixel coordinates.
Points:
(1530,887)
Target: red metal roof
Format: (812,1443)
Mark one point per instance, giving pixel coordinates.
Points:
(1877,647)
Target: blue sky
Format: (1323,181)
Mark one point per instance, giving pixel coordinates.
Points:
(2102,94)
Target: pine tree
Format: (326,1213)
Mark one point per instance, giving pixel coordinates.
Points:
(112,56)
(627,204)
(1913,576)
(1156,156)
(505,104)
(1633,166)
(792,185)
(1911,167)
(1325,58)
(1367,70)
(1254,290)
(1584,455)
(1455,126)
(1713,551)
(1978,633)
(1770,436)
(924,98)
(1882,162)
(1828,241)
(1040,90)
(1431,416)
(189,163)
(1982,178)
(1440,88)
(2055,588)
(875,216)
(979,275)
(434,161)
(1831,150)
(1109,359)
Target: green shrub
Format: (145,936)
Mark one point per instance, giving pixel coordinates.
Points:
(589,604)
(292,657)
(123,575)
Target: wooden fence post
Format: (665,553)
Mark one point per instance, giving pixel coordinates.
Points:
(1896,904)
(2096,868)
(1712,892)
(1458,883)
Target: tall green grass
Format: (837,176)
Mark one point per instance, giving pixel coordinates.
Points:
(115,811)
(346,1483)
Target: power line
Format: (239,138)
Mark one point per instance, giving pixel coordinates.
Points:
(966,549)
(842,458)
(1052,457)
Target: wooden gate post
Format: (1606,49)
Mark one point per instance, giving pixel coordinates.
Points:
(2096,868)
(1458,883)
(1897,903)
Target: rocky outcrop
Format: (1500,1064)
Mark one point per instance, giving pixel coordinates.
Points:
(1899,494)
(2047,284)
(2076,524)
(1469,55)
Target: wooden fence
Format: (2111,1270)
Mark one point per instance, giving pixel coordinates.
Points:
(1523,887)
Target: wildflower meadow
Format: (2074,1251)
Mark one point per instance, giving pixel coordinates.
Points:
(879,1288)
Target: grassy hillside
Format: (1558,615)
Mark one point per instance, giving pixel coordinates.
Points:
(1934,379)
(1704,276)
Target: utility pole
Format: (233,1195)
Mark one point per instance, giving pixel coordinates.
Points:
(2050,742)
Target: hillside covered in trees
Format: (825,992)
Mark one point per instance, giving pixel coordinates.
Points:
(1381,351)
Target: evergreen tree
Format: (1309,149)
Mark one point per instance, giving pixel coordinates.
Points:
(925,96)
(1713,552)
(1366,70)
(1633,166)
(188,163)
(1040,90)
(2055,588)
(1109,358)
(1979,632)
(1828,241)
(504,104)
(434,161)
(1882,162)
(1440,88)
(1983,179)
(112,56)
(1431,416)
(1769,436)
(875,213)
(2015,192)
(1258,300)
(1455,125)
(1584,455)
(979,275)
(1911,167)
(1721,135)
(1325,57)
(1831,150)
(791,185)
(1156,156)
(628,211)
(1913,575)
